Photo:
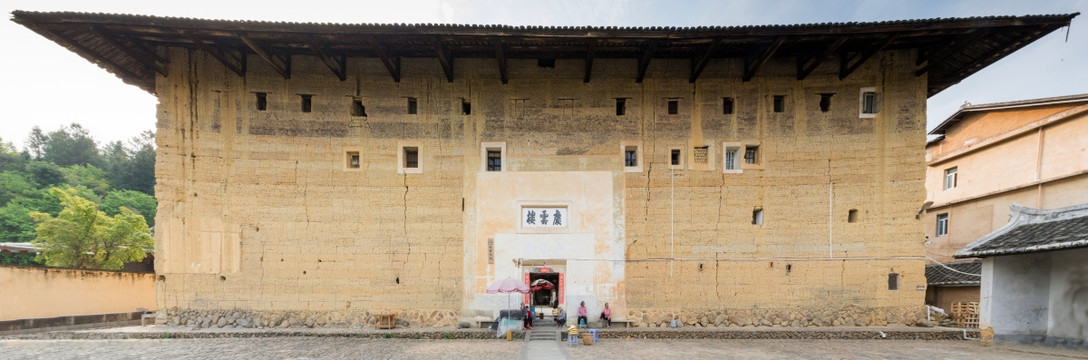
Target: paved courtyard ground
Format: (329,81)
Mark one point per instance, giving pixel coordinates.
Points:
(355,348)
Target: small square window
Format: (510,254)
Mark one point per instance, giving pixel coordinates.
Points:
(825,102)
(779,103)
(352,160)
(262,101)
(757,216)
(307,103)
(852,216)
(893,281)
(751,154)
(727,106)
(411,157)
(621,107)
(412,107)
(699,154)
(950,176)
(632,155)
(466,107)
(674,157)
(357,108)
(674,107)
(942,224)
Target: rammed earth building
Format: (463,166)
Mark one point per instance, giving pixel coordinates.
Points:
(313,174)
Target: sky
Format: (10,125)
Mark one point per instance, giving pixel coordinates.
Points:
(42,84)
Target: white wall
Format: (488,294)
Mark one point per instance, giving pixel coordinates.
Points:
(1021,295)
(1069,295)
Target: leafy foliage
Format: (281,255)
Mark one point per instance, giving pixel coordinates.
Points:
(21,259)
(138,202)
(82,236)
(71,145)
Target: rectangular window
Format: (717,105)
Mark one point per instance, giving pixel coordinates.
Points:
(942,224)
(494,160)
(621,107)
(262,101)
(950,178)
(699,154)
(852,216)
(411,157)
(825,101)
(412,105)
(893,281)
(674,107)
(757,216)
(674,157)
(466,107)
(868,103)
(730,160)
(727,105)
(779,103)
(357,108)
(751,154)
(307,103)
(630,156)
(352,160)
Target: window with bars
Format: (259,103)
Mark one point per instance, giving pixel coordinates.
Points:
(630,156)
(751,155)
(411,157)
(494,160)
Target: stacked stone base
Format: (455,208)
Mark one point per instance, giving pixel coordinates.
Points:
(236,318)
(848,316)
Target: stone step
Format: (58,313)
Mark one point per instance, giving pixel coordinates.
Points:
(548,335)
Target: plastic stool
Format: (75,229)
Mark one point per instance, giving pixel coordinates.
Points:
(595,334)
(572,340)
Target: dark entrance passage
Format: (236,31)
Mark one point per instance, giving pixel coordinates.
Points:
(546,288)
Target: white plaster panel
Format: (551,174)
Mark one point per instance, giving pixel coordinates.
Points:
(1069,295)
(1021,289)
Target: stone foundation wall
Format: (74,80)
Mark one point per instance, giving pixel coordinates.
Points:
(847,316)
(235,318)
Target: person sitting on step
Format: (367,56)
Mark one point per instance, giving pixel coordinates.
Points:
(606,315)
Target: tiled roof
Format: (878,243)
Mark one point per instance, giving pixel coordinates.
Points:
(951,48)
(940,275)
(1034,230)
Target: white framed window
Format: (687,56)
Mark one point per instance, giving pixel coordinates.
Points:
(942,224)
(868,103)
(676,158)
(409,157)
(731,157)
(950,178)
(632,155)
(493,156)
(352,160)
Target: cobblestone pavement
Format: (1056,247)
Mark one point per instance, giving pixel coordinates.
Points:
(812,349)
(354,348)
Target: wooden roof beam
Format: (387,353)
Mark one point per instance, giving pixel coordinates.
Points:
(122,70)
(697,65)
(590,50)
(445,58)
(751,69)
(281,69)
(500,56)
(848,65)
(150,59)
(392,64)
(936,55)
(644,61)
(237,64)
(337,65)
(806,67)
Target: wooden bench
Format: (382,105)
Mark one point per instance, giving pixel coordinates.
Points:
(385,321)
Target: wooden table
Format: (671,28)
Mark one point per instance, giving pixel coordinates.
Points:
(385,321)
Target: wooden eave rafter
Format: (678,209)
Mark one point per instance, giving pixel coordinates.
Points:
(500,57)
(236,63)
(590,50)
(392,64)
(282,69)
(134,50)
(806,66)
(750,69)
(644,60)
(337,65)
(849,64)
(698,64)
(445,58)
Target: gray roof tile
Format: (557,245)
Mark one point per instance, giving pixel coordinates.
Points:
(1034,230)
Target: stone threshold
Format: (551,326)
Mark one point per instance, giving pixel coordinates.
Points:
(827,333)
(71,322)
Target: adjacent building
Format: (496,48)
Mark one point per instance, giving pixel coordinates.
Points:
(318,174)
(985,157)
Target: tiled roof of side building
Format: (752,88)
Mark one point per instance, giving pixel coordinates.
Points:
(952,120)
(1034,230)
(964,273)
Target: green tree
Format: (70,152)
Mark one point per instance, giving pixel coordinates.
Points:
(82,236)
(138,202)
(132,166)
(87,176)
(14,184)
(45,174)
(69,145)
(16,224)
(10,159)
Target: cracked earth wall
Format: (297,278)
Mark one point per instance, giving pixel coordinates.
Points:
(260,213)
